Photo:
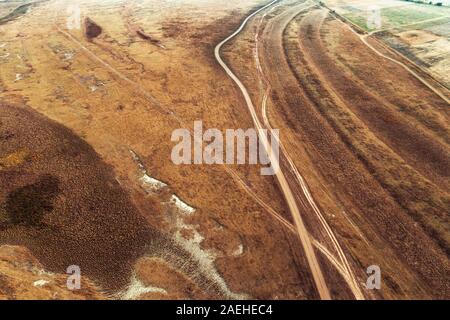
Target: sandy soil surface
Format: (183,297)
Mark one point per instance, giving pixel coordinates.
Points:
(337,101)
(116,92)
(85,128)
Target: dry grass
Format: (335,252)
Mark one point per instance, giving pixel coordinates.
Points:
(424,201)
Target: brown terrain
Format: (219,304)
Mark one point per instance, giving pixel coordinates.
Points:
(86,176)
(23,277)
(379,146)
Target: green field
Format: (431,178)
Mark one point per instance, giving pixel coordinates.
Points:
(394,17)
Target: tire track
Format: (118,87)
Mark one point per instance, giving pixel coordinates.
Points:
(303,234)
(345,268)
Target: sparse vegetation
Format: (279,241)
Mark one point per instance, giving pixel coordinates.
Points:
(423,200)
(364,148)
(394,17)
(21,10)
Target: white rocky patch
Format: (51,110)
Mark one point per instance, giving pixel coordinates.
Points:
(149,183)
(42,272)
(180,210)
(68,55)
(205,258)
(136,288)
(181,205)
(152,183)
(40,283)
(239,251)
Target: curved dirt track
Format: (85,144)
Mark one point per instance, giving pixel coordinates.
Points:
(343,266)
(319,130)
(293,99)
(426,154)
(289,196)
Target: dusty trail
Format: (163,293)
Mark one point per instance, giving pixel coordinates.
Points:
(281,178)
(331,258)
(343,267)
(415,74)
(379,214)
(380,116)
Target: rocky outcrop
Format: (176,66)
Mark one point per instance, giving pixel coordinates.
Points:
(91,29)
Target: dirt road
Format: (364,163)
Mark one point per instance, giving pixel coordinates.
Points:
(276,34)
(284,185)
(322,86)
(309,90)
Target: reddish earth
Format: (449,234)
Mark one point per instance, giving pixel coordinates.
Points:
(23,277)
(407,160)
(86,114)
(371,140)
(112,93)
